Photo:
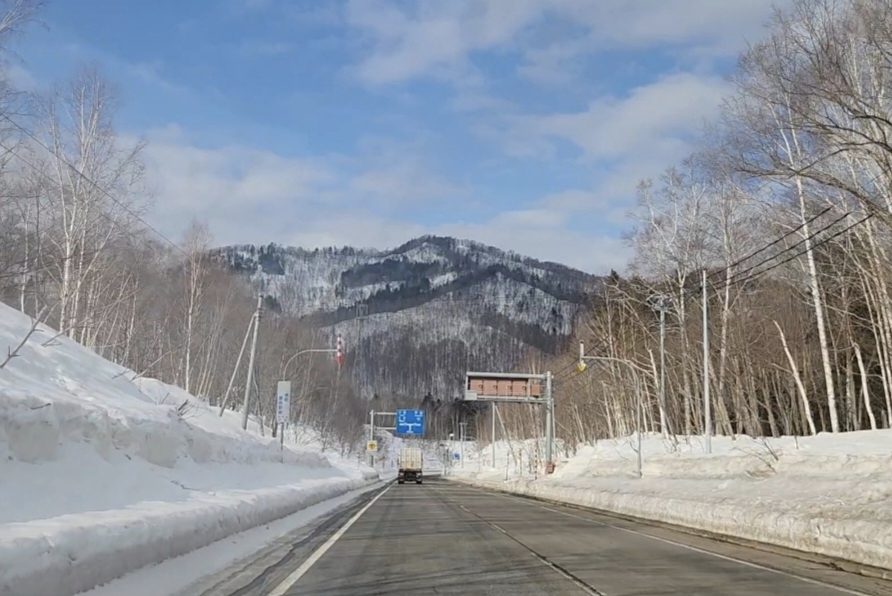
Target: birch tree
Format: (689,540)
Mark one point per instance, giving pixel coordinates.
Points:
(91,185)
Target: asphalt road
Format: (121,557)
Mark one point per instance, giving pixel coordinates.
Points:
(445,538)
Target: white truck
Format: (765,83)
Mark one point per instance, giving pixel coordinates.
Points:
(410,464)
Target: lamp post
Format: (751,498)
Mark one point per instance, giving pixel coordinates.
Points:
(338,351)
(581,366)
(307,351)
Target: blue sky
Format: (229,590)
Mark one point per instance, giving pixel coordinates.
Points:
(521,123)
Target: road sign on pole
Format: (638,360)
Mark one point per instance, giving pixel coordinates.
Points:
(283,402)
(410,422)
(372,446)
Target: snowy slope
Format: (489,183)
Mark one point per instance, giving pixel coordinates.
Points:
(310,281)
(462,301)
(827,494)
(102,473)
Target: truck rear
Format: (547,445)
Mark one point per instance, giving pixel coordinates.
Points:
(410,462)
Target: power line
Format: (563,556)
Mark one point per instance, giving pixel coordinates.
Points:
(770,244)
(791,247)
(820,242)
(696,290)
(740,277)
(83,176)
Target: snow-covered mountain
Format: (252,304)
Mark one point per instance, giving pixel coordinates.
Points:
(414,318)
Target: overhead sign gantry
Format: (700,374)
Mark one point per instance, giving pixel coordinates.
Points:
(521,388)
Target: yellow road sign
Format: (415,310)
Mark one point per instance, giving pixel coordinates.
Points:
(372,446)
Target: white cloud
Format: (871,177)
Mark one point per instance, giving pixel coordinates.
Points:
(241,192)
(398,173)
(402,184)
(652,119)
(252,196)
(360,198)
(421,39)
(636,24)
(549,65)
(21,78)
(596,253)
(405,45)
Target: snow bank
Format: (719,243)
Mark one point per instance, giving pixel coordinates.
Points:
(73,553)
(825,494)
(102,472)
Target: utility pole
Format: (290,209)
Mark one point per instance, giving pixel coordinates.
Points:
(493,434)
(462,435)
(361,311)
(707,414)
(238,362)
(246,406)
(549,424)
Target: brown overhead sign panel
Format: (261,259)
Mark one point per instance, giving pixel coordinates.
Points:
(503,386)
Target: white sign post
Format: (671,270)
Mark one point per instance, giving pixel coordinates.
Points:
(283,406)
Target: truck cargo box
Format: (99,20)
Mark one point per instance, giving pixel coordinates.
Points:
(411,460)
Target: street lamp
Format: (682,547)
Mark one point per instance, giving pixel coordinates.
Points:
(307,351)
(339,353)
(581,366)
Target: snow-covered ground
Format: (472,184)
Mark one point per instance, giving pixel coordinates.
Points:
(825,494)
(102,473)
(174,576)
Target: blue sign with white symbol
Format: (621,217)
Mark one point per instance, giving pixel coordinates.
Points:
(410,422)
(456,456)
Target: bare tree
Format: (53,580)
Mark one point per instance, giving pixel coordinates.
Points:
(91,187)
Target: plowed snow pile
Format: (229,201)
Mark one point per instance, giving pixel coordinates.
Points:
(102,472)
(827,494)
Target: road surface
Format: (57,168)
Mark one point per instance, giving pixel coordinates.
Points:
(446,538)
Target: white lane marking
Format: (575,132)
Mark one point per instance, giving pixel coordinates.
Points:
(298,573)
(498,528)
(807,580)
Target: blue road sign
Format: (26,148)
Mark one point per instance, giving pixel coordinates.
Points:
(456,456)
(410,422)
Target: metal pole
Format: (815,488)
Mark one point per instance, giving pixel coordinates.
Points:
(372,436)
(462,445)
(638,391)
(664,422)
(549,424)
(493,434)
(707,414)
(639,408)
(246,406)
